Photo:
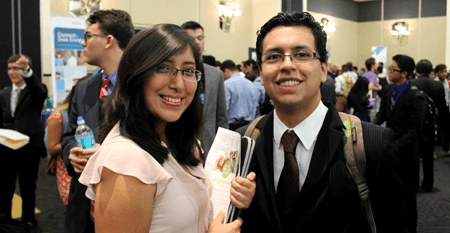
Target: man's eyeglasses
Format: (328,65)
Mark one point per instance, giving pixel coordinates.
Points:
(89,35)
(300,57)
(170,72)
(393,70)
(15,69)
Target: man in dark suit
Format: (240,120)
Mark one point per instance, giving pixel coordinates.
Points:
(212,92)
(303,184)
(436,92)
(106,37)
(20,107)
(327,90)
(403,109)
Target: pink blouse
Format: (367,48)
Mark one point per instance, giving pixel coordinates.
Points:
(182,202)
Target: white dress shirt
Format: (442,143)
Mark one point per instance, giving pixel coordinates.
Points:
(307,132)
(14,90)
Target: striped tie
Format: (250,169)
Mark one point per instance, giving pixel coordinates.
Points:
(104,89)
(393,97)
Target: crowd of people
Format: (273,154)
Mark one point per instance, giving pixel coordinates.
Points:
(158,103)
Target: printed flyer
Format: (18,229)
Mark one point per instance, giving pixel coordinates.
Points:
(222,164)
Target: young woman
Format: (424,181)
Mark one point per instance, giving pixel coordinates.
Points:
(147,176)
(358,99)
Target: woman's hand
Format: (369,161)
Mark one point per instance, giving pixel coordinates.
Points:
(217,225)
(243,190)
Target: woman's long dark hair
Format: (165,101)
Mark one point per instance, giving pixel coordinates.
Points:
(147,49)
(358,94)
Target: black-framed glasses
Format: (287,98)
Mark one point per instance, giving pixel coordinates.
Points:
(169,72)
(300,57)
(89,35)
(393,70)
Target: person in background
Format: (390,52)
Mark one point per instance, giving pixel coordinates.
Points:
(148,176)
(20,109)
(59,61)
(107,34)
(441,76)
(212,91)
(358,99)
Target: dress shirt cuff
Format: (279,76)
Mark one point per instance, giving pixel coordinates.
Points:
(28,74)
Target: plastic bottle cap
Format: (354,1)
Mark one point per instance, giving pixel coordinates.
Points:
(80,120)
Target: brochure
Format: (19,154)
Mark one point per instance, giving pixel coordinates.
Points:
(13,139)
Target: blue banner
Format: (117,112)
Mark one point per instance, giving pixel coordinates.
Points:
(68,38)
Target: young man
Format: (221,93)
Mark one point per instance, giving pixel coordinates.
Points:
(373,85)
(441,76)
(106,36)
(403,109)
(212,92)
(242,96)
(436,92)
(20,109)
(303,183)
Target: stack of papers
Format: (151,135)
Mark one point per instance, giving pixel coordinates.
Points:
(13,139)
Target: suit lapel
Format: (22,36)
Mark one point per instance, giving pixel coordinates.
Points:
(7,100)
(22,95)
(264,154)
(400,99)
(388,105)
(328,141)
(208,90)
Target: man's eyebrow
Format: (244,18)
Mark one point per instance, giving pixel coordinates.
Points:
(298,47)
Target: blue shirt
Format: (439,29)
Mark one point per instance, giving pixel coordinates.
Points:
(262,91)
(242,98)
(113,79)
(400,89)
(59,62)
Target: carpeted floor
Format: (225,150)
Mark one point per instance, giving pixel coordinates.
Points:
(433,208)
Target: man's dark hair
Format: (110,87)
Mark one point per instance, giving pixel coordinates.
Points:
(218,63)
(440,67)
(147,50)
(191,25)
(294,19)
(380,69)
(210,60)
(405,63)
(250,62)
(345,68)
(369,63)
(349,66)
(116,23)
(16,57)
(228,64)
(380,64)
(424,67)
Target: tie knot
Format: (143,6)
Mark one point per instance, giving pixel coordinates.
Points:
(106,82)
(289,141)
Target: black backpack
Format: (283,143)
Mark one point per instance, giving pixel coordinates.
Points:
(431,124)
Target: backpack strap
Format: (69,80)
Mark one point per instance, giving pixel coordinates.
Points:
(252,131)
(355,159)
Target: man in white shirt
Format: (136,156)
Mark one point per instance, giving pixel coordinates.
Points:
(20,109)
(298,157)
(71,60)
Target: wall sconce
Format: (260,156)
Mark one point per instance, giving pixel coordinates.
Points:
(400,29)
(328,26)
(227,11)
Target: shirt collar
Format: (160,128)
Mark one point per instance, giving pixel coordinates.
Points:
(306,131)
(402,87)
(15,87)
(113,78)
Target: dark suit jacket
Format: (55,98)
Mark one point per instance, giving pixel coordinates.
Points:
(27,116)
(406,120)
(435,91)
(85,103)
(327,90)
(329,199)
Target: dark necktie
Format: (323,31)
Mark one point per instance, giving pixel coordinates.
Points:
(104,89)
(288,185)
(393,97)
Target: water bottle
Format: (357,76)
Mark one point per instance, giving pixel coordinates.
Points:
(84,135)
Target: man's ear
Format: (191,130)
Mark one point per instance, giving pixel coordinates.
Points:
(110,41)
(260,74)
(323,78)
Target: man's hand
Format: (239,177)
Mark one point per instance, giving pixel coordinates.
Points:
(79,157)
(22,63)
(243,190)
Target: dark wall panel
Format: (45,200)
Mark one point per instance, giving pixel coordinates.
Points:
(295,5)
(6,41)
(345,9)
(401,9)
(31,33)
(433,8)
(369,11)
